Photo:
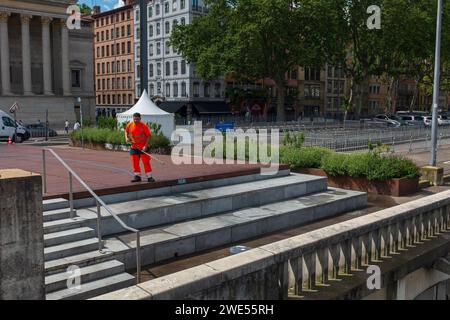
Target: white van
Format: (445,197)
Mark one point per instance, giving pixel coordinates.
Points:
(8,128)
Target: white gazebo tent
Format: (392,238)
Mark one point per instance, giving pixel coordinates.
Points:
(150,113)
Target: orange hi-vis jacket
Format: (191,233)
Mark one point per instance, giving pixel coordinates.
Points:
(138,134)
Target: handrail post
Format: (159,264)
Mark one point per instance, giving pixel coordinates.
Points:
(71,195)
(99,231)
(138,257)
(44,172)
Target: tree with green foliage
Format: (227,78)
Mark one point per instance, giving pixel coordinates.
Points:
(85,9)
(252,39)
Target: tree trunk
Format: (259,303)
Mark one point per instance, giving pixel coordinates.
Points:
(268,103)
(395,91)
(350,99)
(281,97)
(414,98)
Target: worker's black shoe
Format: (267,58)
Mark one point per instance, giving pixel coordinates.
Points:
(151,179)
(136,179)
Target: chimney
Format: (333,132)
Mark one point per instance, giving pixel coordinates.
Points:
(96,10)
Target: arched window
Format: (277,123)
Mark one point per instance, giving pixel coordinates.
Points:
(167,68)
(157,9)
(183,21)
(150,70)
(206,90)
(196,89)
(183,67)
(150,49)
(158,29)
(183,89)
(167,27)
(182,4)
(152,90)
(167,47)
(175,89)
(150,30)
(175,68)
(167,89)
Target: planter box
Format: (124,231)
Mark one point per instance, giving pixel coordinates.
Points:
(88,145)
(114,147)
(393,187)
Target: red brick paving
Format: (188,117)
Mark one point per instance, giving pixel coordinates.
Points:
(104,169)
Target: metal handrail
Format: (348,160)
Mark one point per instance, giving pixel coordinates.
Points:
(100,203)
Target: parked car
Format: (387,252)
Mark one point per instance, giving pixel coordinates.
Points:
(38,130)
(412,120)
(428,120)
(387,120)
(8,128)
(443,120)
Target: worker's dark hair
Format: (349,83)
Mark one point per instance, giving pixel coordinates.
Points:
(137,114)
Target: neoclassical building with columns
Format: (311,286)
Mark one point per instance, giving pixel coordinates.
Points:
(44,65)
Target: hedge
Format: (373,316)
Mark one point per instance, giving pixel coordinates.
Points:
(115,137)
(371,165)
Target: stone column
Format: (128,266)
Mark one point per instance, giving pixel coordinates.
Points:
(21,236)
(46,55)
(4,53)
(65,59)
(26,56)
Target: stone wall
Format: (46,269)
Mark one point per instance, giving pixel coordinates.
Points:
(21,236)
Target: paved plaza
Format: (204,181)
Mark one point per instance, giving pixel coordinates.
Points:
(104,169)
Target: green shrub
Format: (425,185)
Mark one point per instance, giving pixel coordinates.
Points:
(116,137)
(358,164)
(370,165)
(297,158)
(294,139)
(335,164)
(159,141)
(107,123)
(391,167)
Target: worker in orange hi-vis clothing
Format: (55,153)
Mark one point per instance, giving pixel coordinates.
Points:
(139,135)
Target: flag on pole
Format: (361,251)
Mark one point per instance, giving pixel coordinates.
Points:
(14,108)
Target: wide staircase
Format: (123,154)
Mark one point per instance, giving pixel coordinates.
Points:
(182,220)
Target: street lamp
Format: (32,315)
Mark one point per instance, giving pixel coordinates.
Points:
(437,74)
(81,119)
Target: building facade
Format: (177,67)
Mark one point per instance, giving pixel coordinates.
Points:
(172,80)
(114,60)
(44,65)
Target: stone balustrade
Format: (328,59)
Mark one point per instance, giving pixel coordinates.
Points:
(305,262)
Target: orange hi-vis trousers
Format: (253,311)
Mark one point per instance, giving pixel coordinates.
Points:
(145,160)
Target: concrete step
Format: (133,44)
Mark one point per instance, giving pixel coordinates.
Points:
(181,187)
(57,214)
(70,248)
(188,237)
(179,207)
(63,224)
(94,288)
(56,238)
(54,204)
(87,274)
(80,260)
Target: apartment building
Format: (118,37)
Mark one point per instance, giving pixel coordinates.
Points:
(171,80)
(114,60)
